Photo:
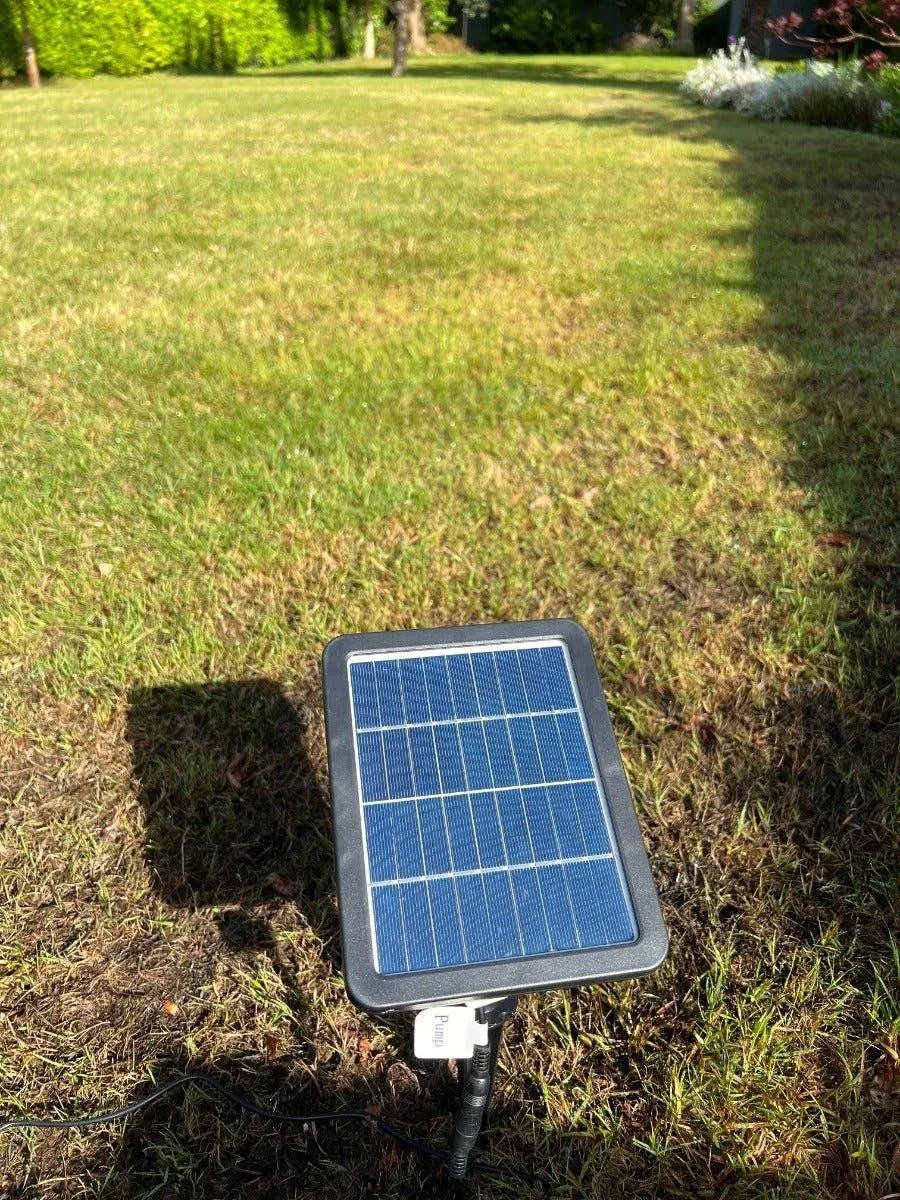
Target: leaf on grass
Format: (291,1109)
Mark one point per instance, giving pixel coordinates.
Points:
(542,500)
(364,1046)
(703,725)
(588,496)
(885,1088)
(170,1008)
(668,454)
(236,770)
(283,886)
(834,539)
(105,568)
(271,1044)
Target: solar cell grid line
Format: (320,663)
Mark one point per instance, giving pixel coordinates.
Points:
(515,906)
(390,704)
(522,803)
(556,936)
(453,701)
(453,697)
(492,925)
(368,718)
(602,824)
(447,834)
(446,829)
(552,818)
(412,772)
(393,839)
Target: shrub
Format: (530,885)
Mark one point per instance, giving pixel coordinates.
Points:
(848,96)
(779,99)
(729,79)
(127,37)
(555,27)
(888,81)
(843,98)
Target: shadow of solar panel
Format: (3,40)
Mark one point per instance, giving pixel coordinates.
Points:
(485,826)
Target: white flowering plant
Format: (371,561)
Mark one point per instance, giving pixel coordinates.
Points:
(729,79)
(849,96)
(778,100)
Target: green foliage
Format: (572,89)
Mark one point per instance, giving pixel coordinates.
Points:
(846,100)
(888,83)
(551,27)
(128,37)
(656,17)
(437,18)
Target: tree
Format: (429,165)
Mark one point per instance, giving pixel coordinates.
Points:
(401,36)
(849,24)
(687,10)
(418,43)
(470,9)
(31,63)
(338,34)
(369,31)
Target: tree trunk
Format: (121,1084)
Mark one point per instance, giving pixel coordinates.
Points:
(369,34)
(338,37)
(418,43)
(756,25)
(31,63)
(401,37)
(684,39)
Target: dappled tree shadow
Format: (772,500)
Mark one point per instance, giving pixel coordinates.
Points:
(491,69)
(827,774)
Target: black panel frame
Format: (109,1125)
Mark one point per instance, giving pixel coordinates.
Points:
(384,993)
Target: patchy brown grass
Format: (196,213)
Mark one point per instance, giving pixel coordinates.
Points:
(595,355)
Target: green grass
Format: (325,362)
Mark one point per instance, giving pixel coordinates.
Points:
(293,354)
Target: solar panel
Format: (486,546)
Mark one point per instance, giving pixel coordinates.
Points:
(475,835)
(484,825)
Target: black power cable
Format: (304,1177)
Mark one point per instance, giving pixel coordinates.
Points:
(440,1157)
(476,1078)
(471,1111)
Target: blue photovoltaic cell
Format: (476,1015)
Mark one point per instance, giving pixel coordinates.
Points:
(486,834)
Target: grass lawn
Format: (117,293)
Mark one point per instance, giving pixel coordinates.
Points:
(293,354)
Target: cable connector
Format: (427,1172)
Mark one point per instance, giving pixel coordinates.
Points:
(470,1114)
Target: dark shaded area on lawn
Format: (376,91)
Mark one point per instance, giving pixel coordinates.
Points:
(490,70)
(829,773)
(194,1135)
(234,813)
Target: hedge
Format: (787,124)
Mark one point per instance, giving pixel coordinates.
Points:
(553,27)
(127,37)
